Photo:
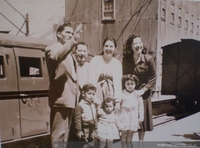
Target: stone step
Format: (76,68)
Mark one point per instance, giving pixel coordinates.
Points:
(162,119)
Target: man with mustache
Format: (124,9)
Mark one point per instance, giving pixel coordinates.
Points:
(81,55)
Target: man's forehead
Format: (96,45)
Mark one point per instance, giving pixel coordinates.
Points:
(68,28)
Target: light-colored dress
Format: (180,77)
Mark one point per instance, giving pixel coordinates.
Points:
(132,111)
(107,77)
(109,126)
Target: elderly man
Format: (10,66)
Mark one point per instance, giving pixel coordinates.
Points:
(81,55)
(63,89)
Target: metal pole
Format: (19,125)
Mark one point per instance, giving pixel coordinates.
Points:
(27,25)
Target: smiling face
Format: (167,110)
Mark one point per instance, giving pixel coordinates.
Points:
(81,53)
(137,45)
(108,49)
(130,85)
(65,35)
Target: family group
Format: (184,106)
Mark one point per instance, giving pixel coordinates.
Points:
(99,98)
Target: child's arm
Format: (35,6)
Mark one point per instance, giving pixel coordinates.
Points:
(78,120)
(100,112)
(140,109)
(95,131)
(119,124)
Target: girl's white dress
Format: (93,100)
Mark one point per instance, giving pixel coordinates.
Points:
(109,126)
(132,111)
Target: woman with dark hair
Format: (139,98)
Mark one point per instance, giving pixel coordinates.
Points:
(106,73)
(136,61)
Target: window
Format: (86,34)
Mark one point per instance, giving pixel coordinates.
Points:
(172,19)
(30,67)
(2,75)
(186,20)
(108,9)
(179,17)
(163,10)
(197,29)
(192,27)
(197,26)
(192,23)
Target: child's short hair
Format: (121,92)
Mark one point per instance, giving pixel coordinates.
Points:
(108,100)
(88,87)
(131,77)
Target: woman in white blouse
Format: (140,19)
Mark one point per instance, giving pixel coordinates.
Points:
(106,73)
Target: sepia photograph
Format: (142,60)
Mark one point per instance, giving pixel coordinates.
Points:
(99,73)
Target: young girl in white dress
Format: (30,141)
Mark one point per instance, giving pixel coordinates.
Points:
(132,111)
(108,124)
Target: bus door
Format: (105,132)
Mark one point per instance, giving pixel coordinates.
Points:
(9,104)
(33,91)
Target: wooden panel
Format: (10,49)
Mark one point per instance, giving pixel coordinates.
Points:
(186,69)
(34,113)
(181,70)
(70,4)
(150,35)
(8,80)
(197,71)
(120,36)
(97,40)
(88,7)
(169,71)
(9,119)
(87,34)
(122,13)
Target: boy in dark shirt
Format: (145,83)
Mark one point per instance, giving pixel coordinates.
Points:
(85,116)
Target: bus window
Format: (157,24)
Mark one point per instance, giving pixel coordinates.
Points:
(1,67)
(30,67)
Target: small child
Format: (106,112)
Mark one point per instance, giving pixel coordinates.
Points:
(108,124)
(85,115)
(132,111)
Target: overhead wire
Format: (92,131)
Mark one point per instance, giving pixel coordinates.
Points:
(138,14)
(137,11)
(63,19)
(134,13)
(15,9)
(12,23)
(73,10)
(148,3)
(52,29)
(21,28)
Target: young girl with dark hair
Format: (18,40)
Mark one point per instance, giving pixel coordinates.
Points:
(108,124)
(135,61)
(132,111)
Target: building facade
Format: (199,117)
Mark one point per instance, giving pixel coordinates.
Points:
(159,23)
